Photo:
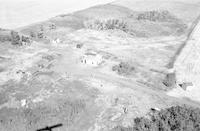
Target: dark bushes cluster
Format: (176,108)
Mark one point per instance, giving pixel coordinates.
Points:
(161,16)
(177,118)
(142,24)
(35,35)
(52,26)
(124,68)
(39,34)
(109,24)
(16,39)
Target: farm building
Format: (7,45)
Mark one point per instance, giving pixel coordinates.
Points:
(184,85)
(92,59)
(56,41)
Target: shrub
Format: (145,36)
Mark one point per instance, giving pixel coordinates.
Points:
(33,34)
(25,39)
(40,35)
(124,68)
(15,38)
(177,118)
(79,45)
(156,16)
(109,24)
(52,26)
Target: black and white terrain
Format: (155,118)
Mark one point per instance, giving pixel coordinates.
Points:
(125,65)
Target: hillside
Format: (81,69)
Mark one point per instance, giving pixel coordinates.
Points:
(138,27)
(184,10)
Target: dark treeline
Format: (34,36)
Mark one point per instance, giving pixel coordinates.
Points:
(177,118)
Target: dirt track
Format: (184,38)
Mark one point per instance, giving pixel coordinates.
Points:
(187,65)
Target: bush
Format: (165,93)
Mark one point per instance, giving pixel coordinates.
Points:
(79,46)
(177,118)
(124,68)
(109,24)
(40,35)
(15,38)
(33,34)
(52,26)
(25,39)
(156,16)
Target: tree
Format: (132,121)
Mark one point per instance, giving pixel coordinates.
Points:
(33,34)
(109,24)
(176,118)
(25,39)
(124,68)
(40,35)
(52,26)
(15,38)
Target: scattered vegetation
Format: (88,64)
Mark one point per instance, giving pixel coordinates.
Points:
(155,15)
(177,118)
(39,33)
(13,37)
(52,26)
(109,24)
(36,35)
(142,24)
(16,39)
(124,68)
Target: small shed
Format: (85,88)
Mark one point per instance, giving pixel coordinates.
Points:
(56,41)
(170,79)
(184,85)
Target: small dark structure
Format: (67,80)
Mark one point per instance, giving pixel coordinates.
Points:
(49,128)
(170,80)
(184,85)
(155,110)
(125,110)
(79,46)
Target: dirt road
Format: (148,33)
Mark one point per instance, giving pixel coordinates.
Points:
(187,66)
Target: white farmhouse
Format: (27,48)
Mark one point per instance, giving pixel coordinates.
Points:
(92,59)
(56,42)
